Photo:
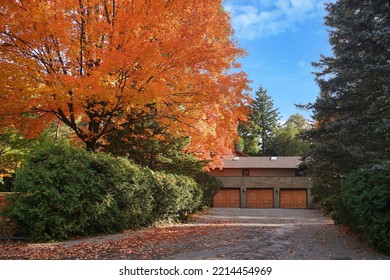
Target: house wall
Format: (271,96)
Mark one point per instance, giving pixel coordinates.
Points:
(284,172)
(255,172)
(277,183)
(227,172)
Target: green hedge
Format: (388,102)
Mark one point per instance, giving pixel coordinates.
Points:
(175,196)
(68,192)
(365,198)
(209,185)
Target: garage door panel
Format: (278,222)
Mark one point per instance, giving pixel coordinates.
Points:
(260,198)
(227,198)
(293,198)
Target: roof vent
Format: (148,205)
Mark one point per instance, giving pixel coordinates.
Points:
(236,158)
(273,158)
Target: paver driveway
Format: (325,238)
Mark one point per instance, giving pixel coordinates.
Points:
(270,234)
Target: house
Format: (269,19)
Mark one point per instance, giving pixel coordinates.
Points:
(262,182)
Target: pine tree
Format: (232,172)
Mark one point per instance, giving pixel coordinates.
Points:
(258,132)
(352,111)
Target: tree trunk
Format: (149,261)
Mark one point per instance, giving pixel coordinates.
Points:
(91,145)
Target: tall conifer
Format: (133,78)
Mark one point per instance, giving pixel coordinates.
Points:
(352,111)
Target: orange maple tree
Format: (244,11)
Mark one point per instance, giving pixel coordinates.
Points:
(89,63)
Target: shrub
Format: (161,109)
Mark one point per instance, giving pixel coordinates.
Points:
(124,195)
(175,196)
(365,197)
(53,185)
(332,206)
(65,192)
(209,185)
(6,227)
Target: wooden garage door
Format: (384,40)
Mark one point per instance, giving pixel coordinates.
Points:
(259,198)
(293,198)
(227,198)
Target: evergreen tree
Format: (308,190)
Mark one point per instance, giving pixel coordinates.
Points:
(258,132)
(249,133)
(352,111)
(146,142)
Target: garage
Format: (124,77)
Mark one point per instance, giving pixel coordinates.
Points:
(293,198)
(227,198)
(260,198)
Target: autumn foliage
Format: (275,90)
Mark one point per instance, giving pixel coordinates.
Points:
(89,64)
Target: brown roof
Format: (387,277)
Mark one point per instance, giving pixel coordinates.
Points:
(261,162)
(240,154)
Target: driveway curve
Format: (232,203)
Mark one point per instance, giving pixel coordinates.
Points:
(223,234)
(284,234)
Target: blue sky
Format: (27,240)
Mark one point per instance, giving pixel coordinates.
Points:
(282,38)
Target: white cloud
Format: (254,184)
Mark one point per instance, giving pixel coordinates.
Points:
(263,18)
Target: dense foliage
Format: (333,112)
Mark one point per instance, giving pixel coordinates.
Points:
(13,149)
(288,140)
(352,119)
(174,196)
(66,192)
(352,111)
(365,198)
(149,146)
(91,64)
(209,185)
